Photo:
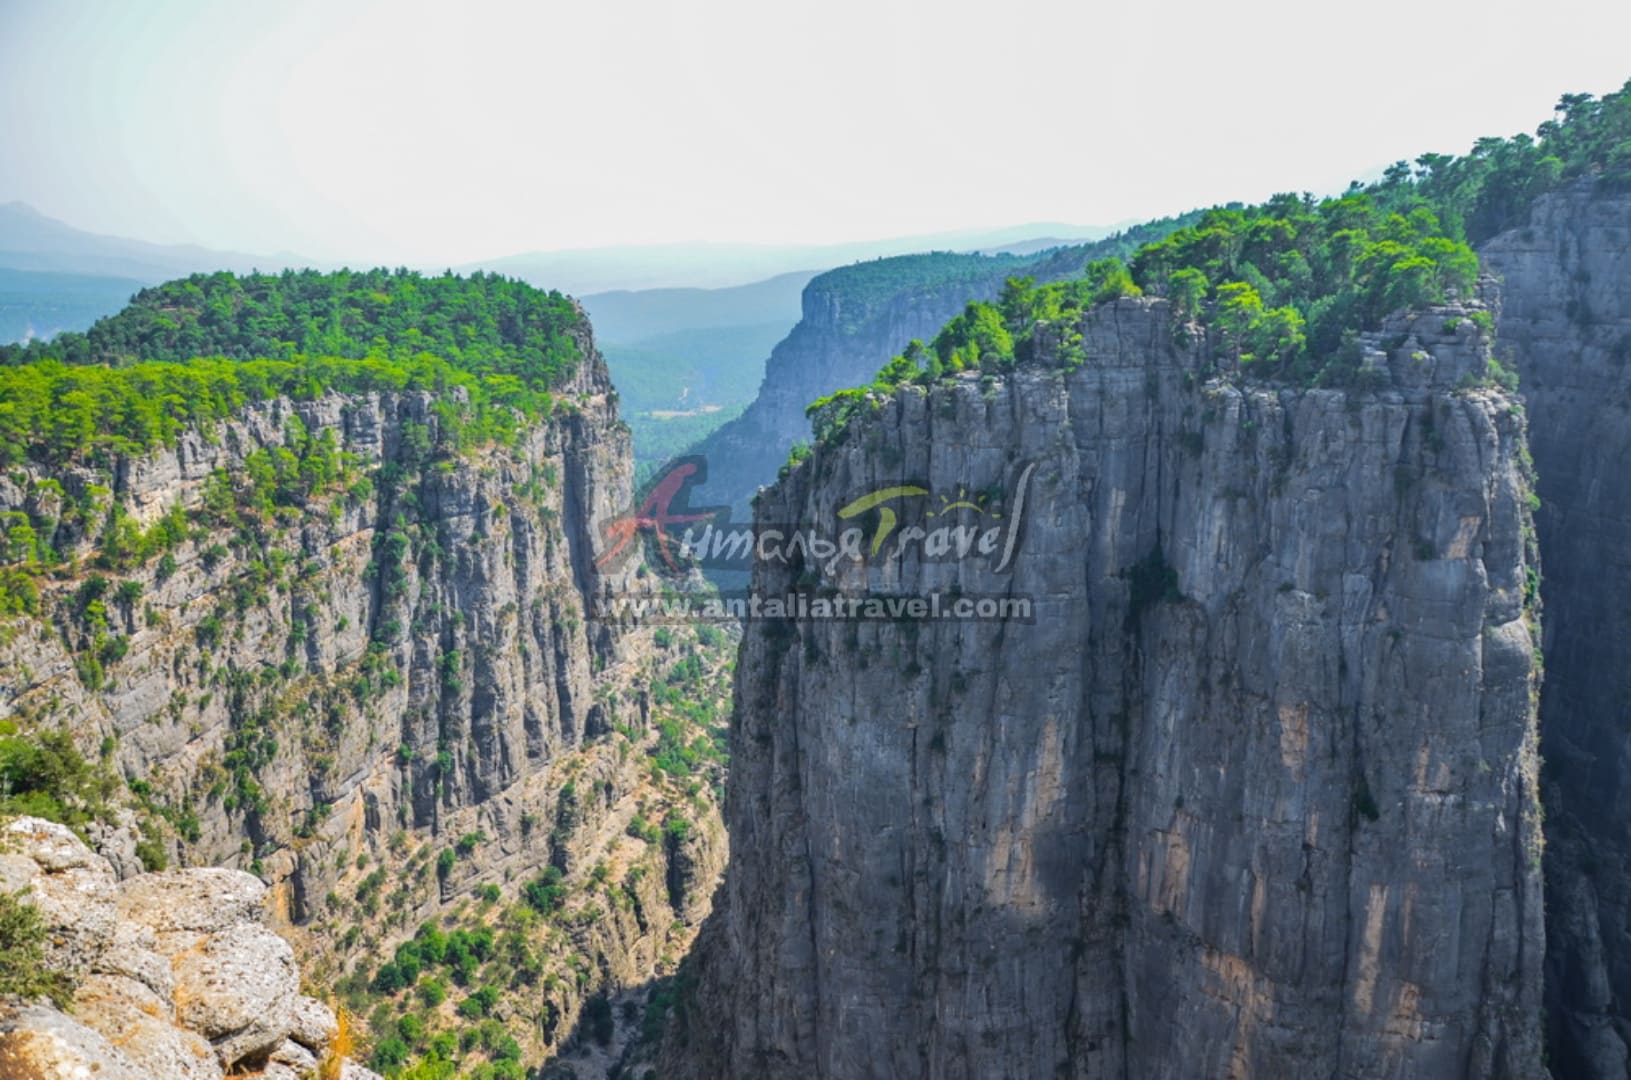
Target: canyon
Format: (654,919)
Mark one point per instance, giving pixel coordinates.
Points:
(1306,758)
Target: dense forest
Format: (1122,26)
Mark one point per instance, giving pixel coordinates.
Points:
(876,280)
(190,352)
(1285,286)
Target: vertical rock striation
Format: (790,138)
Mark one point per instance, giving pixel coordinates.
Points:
(1254,793)
(460,600)
(1566,321)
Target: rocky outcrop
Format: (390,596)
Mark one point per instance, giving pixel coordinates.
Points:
(39,1043)
(1249,790)
(1566,324)
(169,985)
(71,886)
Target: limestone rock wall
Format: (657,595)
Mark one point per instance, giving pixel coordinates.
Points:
(1254,793)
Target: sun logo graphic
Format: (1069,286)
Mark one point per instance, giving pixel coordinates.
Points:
(956,531)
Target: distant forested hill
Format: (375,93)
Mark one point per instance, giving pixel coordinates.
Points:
(195,350)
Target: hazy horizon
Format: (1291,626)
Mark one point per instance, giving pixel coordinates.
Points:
(356,132)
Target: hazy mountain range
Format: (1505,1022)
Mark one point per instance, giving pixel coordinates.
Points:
(31,241)
(56,277)
(661,266)
(627,315)
(685,328)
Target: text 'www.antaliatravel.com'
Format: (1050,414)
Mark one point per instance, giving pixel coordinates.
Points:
(814,607)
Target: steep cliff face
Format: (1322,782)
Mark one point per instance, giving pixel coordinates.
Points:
(1566,321)
(385,696)
(1254,793)
(444,577)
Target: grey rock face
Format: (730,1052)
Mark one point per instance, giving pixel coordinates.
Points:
(133,954)
(177,989)
(313,1024)
(492,654)
(295,1057)
(201,900)
(40,1043)
(1566,323)
(117,844)
(233,981)
(139,1022)
(70,886)
(1273,816)
(411,659)
(237,988)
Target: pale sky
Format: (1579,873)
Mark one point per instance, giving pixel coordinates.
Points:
(435,134)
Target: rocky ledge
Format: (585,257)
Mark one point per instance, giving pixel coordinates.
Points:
(175,975)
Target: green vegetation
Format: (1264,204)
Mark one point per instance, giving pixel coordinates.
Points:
(23,973)
(675,389)
(489,350)
(691,368)
(545,894)
(529,952)
(1492,186)
(484,324)
(862,285)
(43,775)
(1283,288)
(1294,279)
(93,572)
(659,437)
(460,954)
(692,740)
(189,353)
(865,284)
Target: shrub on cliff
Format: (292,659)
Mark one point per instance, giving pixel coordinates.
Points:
(42,774)
(23,973)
